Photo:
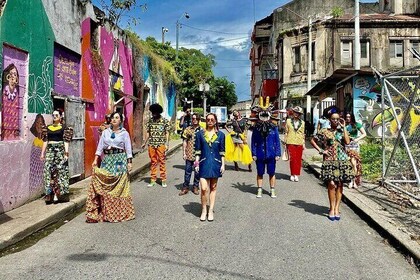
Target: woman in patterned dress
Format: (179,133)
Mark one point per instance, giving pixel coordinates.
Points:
(356,133)
(209,162)
(336,168)
(55,152)
(109,197)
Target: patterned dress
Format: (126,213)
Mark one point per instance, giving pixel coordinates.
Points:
(109,196)
(335,167)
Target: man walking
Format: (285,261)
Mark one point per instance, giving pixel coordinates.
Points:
(158,140)
(188,147)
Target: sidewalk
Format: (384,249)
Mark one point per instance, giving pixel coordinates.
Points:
(361,201)
(23,221)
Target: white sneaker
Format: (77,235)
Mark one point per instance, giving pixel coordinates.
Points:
(351,184)
(292,178)
(296,178)
(259,193)
(273,193)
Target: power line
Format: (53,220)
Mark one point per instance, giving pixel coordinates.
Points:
(216,41)
(229,67)
(214,31)
(222,59)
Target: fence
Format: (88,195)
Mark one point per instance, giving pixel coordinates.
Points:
(400,118)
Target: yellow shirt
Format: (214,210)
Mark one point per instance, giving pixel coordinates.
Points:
(295,136)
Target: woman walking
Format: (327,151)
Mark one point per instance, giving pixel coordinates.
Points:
(237,149)
(109,197)
(336,168)
(55,152)
(295,142)
(209,162)
(356,133)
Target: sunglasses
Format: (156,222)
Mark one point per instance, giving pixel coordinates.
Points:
(55,115)
(211,120)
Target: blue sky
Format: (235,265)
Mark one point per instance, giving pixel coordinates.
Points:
(219,27)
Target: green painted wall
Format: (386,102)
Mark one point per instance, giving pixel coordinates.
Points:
(25,25)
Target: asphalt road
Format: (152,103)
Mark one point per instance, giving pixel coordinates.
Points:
(284,238)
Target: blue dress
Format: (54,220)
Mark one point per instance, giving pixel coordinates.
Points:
(211,152)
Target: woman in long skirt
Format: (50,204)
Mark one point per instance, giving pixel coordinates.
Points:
(109,197)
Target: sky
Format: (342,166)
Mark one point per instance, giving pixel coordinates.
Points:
(220,27)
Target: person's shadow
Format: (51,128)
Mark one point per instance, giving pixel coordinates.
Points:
(193,208)
(250,188)
(310,207)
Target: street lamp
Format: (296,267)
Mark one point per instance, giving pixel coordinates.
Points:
(309,74)
(164,30)
(190,102)
(204,87)
(178,25)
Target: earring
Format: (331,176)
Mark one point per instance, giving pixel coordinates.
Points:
(121,126)
(110,126)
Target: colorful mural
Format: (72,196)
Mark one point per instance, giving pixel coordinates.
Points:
(368,110)
(36,165)
(66,71)
(13,92)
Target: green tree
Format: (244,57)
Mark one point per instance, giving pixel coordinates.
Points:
(222,93)
(115,10)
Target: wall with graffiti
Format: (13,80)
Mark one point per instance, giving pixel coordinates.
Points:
(106,81)
(368,108)
(26,71)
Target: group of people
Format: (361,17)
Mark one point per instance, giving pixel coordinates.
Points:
(205,151)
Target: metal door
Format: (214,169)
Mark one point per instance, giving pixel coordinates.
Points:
(75,117)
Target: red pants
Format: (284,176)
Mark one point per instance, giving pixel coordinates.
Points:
(157,157)
(295,158)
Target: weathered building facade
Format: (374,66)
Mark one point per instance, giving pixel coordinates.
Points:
(388,30)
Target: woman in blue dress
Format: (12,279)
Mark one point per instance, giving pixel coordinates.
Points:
(209,162)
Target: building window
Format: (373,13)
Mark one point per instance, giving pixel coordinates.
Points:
(296,59)
(364,49)
(396,48)
(346,52)
(415,44)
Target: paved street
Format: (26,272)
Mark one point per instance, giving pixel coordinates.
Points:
(284,238)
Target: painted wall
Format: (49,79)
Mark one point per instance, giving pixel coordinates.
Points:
(98,84)
(27,42)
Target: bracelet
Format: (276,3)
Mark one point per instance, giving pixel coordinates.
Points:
(321,151)
(196,163)
(66,154)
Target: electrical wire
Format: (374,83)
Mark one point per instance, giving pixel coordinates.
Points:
(214,31)
(215,41)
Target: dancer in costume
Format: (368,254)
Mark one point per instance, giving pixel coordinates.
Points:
(266,149)
(237,149)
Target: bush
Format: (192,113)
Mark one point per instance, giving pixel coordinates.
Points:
(371,153)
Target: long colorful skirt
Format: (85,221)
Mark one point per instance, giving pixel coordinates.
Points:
(56,170)
(109,196)
(235,153)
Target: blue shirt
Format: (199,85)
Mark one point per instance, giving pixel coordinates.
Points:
(211,154)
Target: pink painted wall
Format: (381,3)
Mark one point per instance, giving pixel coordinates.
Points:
(96,83)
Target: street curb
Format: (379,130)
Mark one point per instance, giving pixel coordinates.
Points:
(384,225)
(19,231)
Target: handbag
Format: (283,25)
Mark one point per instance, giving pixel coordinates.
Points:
(285,155)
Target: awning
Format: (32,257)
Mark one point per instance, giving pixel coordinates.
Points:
(338,77)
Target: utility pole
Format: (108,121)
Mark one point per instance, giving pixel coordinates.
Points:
(309,76)
(164,30)
(356,36)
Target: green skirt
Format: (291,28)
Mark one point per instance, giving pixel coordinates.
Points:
(337,171)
